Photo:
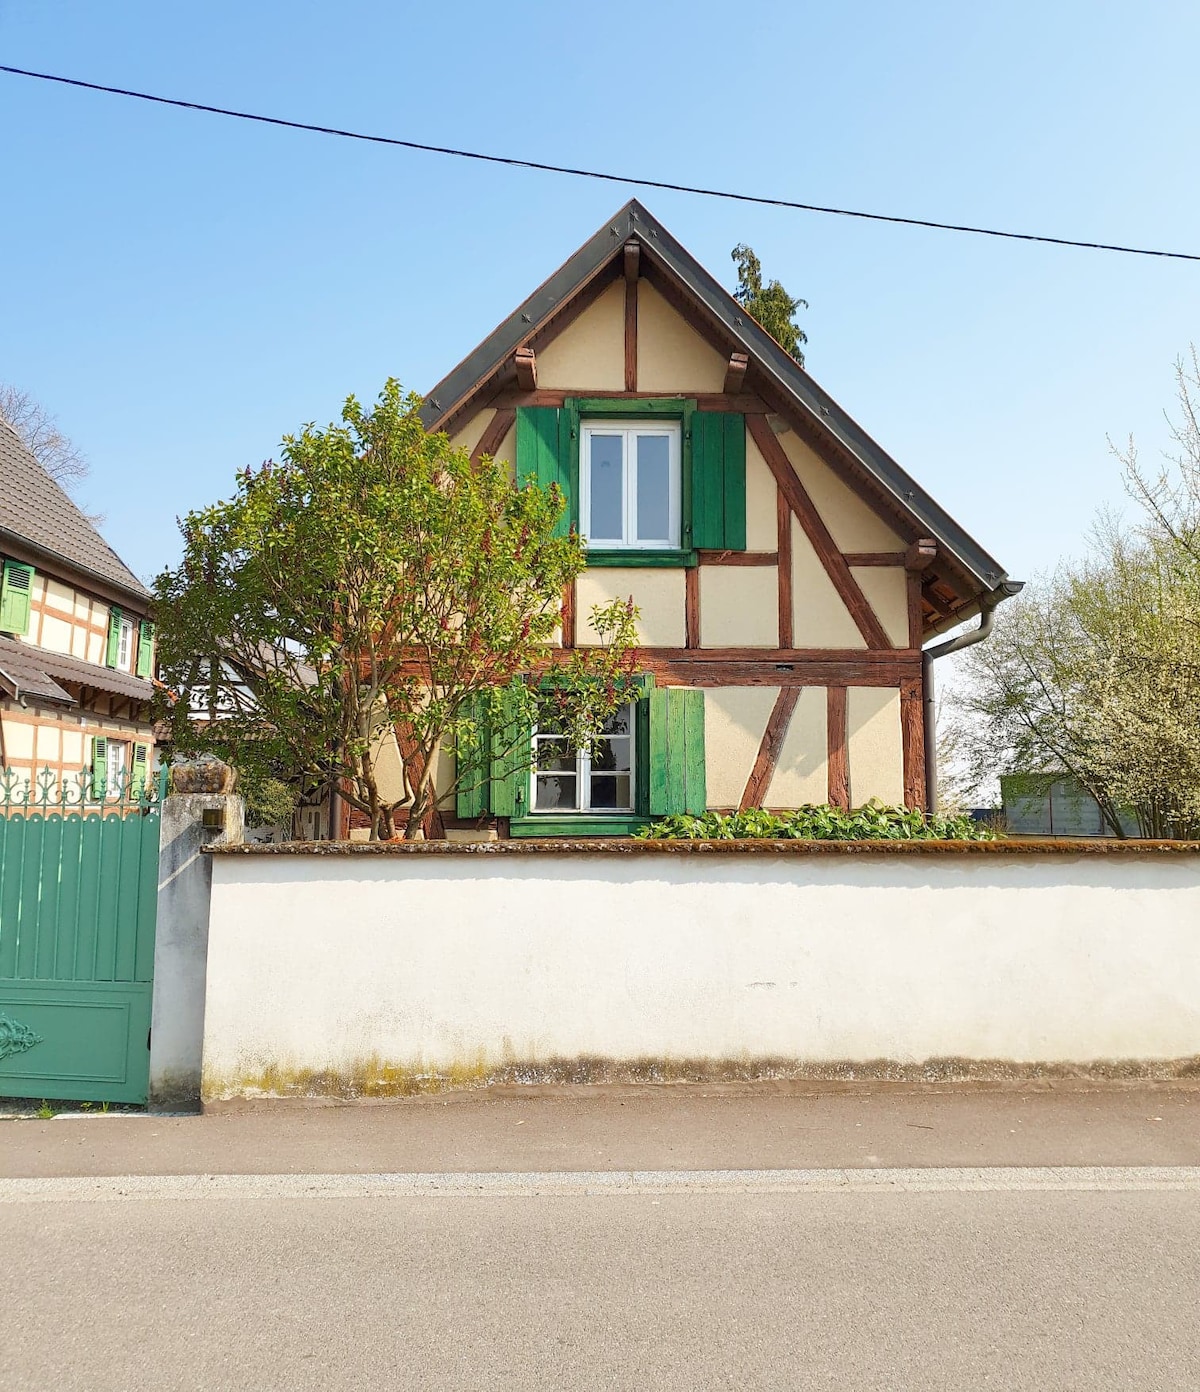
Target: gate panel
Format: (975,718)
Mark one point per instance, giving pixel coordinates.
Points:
(78,897)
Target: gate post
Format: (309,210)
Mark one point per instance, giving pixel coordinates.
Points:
(201,810)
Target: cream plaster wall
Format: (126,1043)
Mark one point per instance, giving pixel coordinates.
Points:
(886,591)
(672,356)
(659,594)
(735,718)
(852,524)
(875,752)
(320,964)
(59,596)
(389,768)
(95,647)
(469,435)
(56,633)
(802,771)
(739,607)
(18,739)
(72,747)
(589,355)
(507,453)
(819,618)
(762,516)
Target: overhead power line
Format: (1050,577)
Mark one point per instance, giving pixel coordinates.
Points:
(599,174)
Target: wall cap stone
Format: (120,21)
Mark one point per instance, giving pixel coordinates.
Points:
(1012,846)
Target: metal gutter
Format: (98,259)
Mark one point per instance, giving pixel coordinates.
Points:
(987,622)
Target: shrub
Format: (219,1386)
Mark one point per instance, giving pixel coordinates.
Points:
(873,822)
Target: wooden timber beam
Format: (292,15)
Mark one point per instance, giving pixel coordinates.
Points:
(876,558)
(632,264)
(525,365)
(836,745)
(494,435)
(921,554)
(738,558)
(735,373)
(769,750)
(818,534)
(745,404)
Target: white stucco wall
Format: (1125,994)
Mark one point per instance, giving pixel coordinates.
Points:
(319,962)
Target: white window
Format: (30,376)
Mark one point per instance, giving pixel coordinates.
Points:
(572,780)
(629,485)
(118,754)
(125,645)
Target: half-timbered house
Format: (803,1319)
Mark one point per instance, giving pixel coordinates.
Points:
(787,570)
(76,644)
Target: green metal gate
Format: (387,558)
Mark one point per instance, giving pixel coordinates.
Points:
(78,896)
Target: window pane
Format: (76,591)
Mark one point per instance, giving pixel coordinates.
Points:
(607,521)
(553,754)
(653,488)
(611,755)
(554,791)
(621,723)
(611,792)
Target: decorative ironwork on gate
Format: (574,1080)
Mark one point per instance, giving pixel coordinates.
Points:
(130,790)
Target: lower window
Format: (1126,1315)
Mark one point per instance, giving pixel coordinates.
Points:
(574,780)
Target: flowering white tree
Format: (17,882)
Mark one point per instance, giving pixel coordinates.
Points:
(1095,671)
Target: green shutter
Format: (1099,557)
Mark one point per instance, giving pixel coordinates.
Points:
(676,750)
(641,742)
(511,752)
(718,480)
(546,438)
(471,798)
(137,778)
(114,637)
(145,653)
(99,767)
(16,590)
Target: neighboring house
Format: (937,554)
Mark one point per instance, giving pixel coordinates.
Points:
(786,568)
(76,642)
(1062,807)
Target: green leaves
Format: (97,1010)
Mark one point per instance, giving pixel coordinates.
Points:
(770,304)
(873,822)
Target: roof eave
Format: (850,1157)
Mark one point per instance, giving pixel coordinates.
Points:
(102,584)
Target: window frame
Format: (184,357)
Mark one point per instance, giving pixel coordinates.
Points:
(117,770)
(583,775)
(126,651)
(629,428)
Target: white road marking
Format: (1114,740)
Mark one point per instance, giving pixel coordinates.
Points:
(998,1179)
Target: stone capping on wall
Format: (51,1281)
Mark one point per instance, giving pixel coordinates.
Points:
(629,846)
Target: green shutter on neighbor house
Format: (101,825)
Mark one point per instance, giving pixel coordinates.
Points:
(114,637)
(145,652)
(718,480)
(471,798)
(141,766)
(99,767)
(16,590)
(546,439)
(676,750)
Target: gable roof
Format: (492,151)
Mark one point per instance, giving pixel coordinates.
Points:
(774,373)
(35,510)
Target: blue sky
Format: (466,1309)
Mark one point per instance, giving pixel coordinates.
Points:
(183,289)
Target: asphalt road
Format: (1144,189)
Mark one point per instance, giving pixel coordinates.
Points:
(698,1288)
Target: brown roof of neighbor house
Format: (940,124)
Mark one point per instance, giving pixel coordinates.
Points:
(36,510)
(26,670)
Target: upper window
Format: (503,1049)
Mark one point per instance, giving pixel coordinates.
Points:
(573,780)
(125,645)
(629,485)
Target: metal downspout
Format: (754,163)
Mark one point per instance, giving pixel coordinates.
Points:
(987,621)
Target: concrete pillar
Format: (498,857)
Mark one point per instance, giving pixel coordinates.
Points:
(190,820)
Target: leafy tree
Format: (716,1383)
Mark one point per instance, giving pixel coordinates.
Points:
(770,304)
(1095,671)
(39,432)
(376,579)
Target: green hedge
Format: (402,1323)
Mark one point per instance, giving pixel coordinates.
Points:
(818,823)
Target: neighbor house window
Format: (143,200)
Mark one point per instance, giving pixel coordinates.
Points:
(125,645)
(630,485)
(573,780)
(117,763)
